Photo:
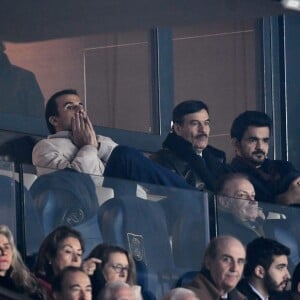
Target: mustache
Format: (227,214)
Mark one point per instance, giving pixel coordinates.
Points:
(200,135)
(285,282)
(259,152)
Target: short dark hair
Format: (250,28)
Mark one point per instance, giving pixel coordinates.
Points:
(51,106)
(222,181)
(187,107)
(261,252)
(246,119)
(59,278)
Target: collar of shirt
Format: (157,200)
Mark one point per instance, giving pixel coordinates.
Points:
(257,292)
(60,134)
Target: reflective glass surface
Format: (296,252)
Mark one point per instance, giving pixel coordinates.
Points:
(165,230)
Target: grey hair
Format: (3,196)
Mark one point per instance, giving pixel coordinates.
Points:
(111,288)
(20,274)
(179,294)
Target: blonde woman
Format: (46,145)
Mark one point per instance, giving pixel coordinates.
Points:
(14,275)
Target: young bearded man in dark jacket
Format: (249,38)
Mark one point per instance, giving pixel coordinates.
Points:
(275,181)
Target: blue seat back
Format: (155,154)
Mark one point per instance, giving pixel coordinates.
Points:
(189,227)
(140,227)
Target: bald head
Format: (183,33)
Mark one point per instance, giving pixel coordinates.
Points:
(224,258)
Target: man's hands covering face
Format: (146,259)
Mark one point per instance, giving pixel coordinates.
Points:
(83,132)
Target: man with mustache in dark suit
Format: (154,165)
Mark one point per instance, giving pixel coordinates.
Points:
(275,181)
(186,150)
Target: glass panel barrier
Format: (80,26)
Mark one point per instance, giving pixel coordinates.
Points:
(109,65)
(248,219)
(165,229)
(8,196)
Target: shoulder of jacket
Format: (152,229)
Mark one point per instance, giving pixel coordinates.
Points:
(215,151)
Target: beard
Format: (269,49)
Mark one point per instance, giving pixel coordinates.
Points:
(273,286)
(257,158)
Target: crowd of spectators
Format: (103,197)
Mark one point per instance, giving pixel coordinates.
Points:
(185,161)
(229,271)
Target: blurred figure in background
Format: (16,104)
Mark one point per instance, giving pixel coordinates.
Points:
(19,89)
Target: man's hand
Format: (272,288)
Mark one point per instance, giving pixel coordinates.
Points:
(83,132)
(292,195)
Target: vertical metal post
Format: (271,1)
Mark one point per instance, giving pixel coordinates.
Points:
(162,79)
(20,211)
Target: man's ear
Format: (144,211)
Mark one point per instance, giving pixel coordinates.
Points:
(52,120)
(298,287)
(206,262)
(236,144)
(177,128)
(260,272)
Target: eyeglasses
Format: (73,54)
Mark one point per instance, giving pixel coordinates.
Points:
(119,268)
(73,106)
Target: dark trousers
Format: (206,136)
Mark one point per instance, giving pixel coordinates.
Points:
(131,164)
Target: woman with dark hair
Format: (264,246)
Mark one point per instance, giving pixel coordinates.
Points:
(14,275)
(61,248)
(117,265)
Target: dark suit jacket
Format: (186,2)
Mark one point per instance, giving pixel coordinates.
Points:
(270,180)
(245,288)
(179,156)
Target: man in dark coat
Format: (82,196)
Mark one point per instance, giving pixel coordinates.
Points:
(186,150)
(223,266)
(266,273)
(275,181)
